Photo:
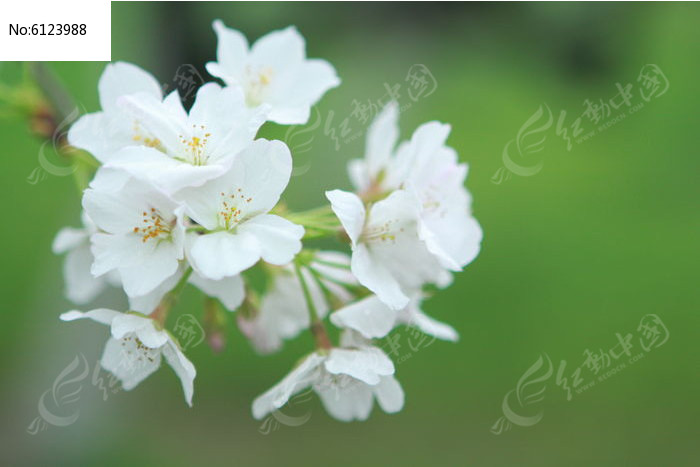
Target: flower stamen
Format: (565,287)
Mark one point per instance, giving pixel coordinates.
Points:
(155,226)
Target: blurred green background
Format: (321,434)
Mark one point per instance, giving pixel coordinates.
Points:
(602,235)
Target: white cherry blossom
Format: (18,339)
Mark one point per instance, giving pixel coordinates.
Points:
(105,132)
(274,71)
(233,209)
(191,197)
(142,232)
(430,168)
(187,149)
(388,255)
(135,348)
(347,379)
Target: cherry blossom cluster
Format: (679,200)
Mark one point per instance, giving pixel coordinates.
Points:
(193,197)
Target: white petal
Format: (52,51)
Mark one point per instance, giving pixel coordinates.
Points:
(347,402)
(290,115)
(377,278)
(259,333)
(230,124)
(230,290)
(298,379)
(389,394)
(139,280)
(353,339)
(147,303)
(114,251)
(143,262)
(262,172)
(183,368)
(81,286)
(173,104)
(279,239)
(129,361)
(455,239)
(401,207)
(107,180)
(157,118)
(350,211)
(118,209)
(223,254)
(292,95)
(414,160)
(253,184)
(370,317)
(104,133)
(120,79)
(279,48)
(359,175)
(315,77)
(283,309)
(413,316)
(168,174)
(231,53)
(382,136)
(141,326)
(114,212)
(101,315)
(399,251)
(366,364)
(68,238)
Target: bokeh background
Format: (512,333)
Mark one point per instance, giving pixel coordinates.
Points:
(602,235)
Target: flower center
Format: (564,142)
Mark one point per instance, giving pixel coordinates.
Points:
(141,136)
(230,213)
(336,382)
(134,354)
(257,82)
(385,232)
(153,227)
(431,204)
(194,147)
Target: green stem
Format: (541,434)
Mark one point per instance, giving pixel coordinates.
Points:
(315,212)
(318,330)
(53,90)
(332,264)
(331,298)
(161,312)
(357,290)
(320,215)
(175,291)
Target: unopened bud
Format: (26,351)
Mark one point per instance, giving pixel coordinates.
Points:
(215,321)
